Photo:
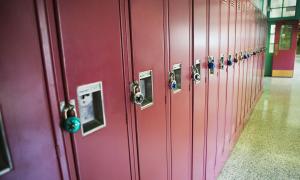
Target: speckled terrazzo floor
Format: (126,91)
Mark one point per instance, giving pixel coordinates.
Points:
(269,147)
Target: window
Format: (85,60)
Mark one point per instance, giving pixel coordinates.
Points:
(272,38)
(285,37)
(282,8)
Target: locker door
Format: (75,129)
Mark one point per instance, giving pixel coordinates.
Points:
(230,77)
(147,38)
(242,63)
(224,17)
(199,87)
(237,68)
(27,145)
(240,29)
(213,74)
(249,61)
(246,42)
(252,42)
(181,123)
(91,53)
(236,73)
(256,57)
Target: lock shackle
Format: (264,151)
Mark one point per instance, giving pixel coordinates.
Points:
(67,108)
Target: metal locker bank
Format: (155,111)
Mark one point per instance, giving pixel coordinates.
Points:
(126,89)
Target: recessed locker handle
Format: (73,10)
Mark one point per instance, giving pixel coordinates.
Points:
(221,64)
(211,65)
(137,96)
(172,81)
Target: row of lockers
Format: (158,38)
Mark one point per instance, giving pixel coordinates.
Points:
(126,89)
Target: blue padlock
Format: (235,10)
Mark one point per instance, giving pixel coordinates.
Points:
(229,60)
(245,55)
(71,122)
(211,65)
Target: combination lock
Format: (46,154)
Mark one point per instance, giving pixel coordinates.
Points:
(71,122)
(137,96)
(229,60)
(196,74)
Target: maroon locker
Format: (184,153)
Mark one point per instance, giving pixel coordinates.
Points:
(246,42)
(230,78)
(147,30)
(240,28)
(200,36)
(236,76)
(224,18)
(250,59)
(91,55)
(242,66)
(179,54)
(237,71)
(258,54)
(212,94)
(252,45)
(28,104)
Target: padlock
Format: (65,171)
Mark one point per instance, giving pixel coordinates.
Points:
(196,74)
(71,122)
(240,56)
(245,55)
(235,59)
(211,64)
(229,60)
(221,64)
(248,55)
(172,81)
(136,96)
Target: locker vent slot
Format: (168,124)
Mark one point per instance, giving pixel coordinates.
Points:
(5,159)
(91,107)
(239,5)
(232,3)
(146,85)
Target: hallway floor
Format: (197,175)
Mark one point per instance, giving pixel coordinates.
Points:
(269,147)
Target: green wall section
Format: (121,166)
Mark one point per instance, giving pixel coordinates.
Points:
(269,56)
